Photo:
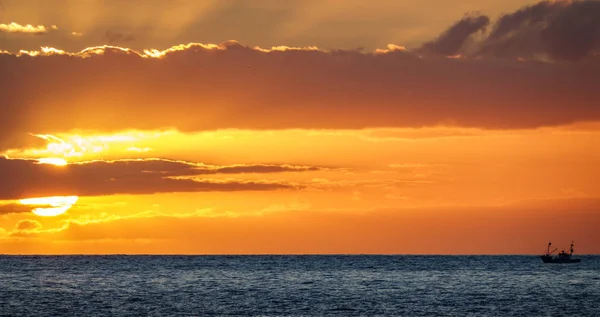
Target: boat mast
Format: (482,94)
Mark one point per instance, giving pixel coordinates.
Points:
(571,248)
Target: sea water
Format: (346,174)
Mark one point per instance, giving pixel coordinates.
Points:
(353,285)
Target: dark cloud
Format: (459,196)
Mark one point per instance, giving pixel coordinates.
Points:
(234,86)
(26,178)
(27,225)
(13,208)
(564,30)
(556,30)
(455,38)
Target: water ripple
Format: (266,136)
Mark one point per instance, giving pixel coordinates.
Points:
(297,286)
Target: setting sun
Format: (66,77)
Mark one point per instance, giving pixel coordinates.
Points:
(53,161)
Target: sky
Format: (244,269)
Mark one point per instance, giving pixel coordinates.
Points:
(299,127)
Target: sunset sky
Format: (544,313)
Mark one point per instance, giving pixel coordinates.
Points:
(299,126)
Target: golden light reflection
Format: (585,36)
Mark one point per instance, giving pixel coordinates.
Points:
(76,146)
(155,53)
(27,28)
(72,147)
(51,206)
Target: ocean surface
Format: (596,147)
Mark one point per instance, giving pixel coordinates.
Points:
(361,285)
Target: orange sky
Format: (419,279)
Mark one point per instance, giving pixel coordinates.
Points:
(478,135)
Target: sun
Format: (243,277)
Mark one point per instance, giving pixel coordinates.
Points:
(50,206)
(52,160)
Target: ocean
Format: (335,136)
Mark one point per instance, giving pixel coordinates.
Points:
(305,285)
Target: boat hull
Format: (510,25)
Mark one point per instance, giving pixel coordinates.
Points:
(549,259)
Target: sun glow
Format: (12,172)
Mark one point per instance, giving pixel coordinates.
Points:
(63,149)
(50,206)
(53,161)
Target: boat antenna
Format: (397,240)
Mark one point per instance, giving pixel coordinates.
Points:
(572,242)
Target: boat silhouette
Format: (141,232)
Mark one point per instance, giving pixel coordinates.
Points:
(561,257)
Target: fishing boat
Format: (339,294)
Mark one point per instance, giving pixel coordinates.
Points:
(561,257)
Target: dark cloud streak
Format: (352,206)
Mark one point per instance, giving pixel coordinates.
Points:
(455,38)
(26,178)
(13,208)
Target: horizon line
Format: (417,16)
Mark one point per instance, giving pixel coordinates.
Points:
(278,254)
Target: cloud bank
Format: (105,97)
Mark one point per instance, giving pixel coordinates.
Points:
(28,178)
(203,87)
(498,83)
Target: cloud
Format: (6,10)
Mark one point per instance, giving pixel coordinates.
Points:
(28,225)
(13,208)
(205,87)
(28,178)
(556,30)
(28,228)
(26,29)
(452,40)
